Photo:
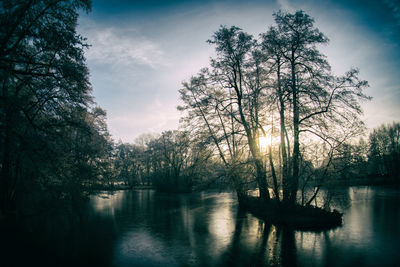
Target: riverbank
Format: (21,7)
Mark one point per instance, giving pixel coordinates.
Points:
(296,217)
(365,181)
(118,187)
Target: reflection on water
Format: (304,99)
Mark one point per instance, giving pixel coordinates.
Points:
(146,228)
(369,236)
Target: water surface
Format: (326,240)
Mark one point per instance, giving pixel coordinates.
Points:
(146,228)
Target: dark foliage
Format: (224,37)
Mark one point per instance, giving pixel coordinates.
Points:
(53,138)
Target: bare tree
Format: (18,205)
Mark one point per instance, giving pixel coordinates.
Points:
(311,99)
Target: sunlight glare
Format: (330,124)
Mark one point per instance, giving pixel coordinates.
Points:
(264,142)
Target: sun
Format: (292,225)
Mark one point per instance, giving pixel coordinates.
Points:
(264,142)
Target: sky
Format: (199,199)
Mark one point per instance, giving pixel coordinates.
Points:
(142,51)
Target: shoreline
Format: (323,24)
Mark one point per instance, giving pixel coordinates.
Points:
(306,218)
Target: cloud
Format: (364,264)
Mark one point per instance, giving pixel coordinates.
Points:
(285,5)
(157,117)
(121,47)
(395,9)
(137,62)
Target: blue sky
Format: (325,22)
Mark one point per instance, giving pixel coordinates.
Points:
(142,51)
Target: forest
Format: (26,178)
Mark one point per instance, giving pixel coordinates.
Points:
(267,114)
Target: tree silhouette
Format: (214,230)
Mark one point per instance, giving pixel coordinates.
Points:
(283,76)
(52,135)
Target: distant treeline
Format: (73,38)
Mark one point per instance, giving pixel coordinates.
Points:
(177,161)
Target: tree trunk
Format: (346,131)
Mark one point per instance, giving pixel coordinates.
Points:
(296,144)
(5,183)
(262,180)
(261,176)
(285,172)
(274,178)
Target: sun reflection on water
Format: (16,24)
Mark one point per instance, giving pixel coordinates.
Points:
(107,202)
(208,229)
(222,225)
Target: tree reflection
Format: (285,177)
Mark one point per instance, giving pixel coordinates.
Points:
(274,246)
(64,238)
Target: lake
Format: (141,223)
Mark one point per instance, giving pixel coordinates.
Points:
(147,228)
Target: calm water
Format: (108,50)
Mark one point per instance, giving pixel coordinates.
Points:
(146,228)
